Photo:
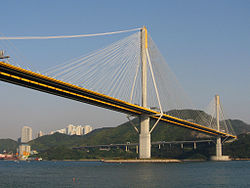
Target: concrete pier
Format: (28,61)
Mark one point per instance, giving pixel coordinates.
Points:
(218,156)
(144,139)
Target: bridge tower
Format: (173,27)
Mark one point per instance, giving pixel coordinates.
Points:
(218,156)
(218,139)
(144,137)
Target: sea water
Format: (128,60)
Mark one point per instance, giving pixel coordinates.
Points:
(98,174)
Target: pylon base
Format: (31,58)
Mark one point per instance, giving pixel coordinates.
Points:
(220,158)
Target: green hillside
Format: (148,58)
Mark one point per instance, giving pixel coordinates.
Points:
(239,148)
(119,135)
(59,146)
(114,135)
(239,126)
(126,133)
(8,145)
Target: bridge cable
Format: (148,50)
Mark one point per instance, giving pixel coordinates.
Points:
(68,36)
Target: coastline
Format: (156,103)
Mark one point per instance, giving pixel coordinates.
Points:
(142,161)
(125,160)
(241,159)
(147,160)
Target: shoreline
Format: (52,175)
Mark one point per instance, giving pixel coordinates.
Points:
(241,159)
(140,160)
(148,160)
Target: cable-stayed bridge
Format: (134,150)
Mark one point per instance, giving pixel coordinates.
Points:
(128,76)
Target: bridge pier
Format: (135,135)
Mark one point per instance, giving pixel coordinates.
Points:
(144,139)
(218,156)
(218,147)
(195,146)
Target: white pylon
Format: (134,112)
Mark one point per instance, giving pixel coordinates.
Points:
(218,139)
(144,137)
(218,156)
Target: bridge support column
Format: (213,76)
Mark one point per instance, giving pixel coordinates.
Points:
(218,156)
(144,137)
(218,147)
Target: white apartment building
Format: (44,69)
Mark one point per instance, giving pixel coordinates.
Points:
(40,133)
(79,130)
(70,129)
(87,129)
(74,130)
(26,134)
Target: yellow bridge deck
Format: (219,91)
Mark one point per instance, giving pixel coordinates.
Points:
(19,76)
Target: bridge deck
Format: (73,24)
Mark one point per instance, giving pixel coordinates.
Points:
(26,78)
(137,144)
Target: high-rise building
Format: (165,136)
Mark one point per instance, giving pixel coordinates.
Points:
(79,130)
(26,134)
(87,129)
(40,133)
(74,130)
(70,129)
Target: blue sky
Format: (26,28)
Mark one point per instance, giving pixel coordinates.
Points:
(206,44)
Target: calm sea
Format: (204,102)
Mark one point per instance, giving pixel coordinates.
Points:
(98,174)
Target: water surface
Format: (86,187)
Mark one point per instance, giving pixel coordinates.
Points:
(98,174)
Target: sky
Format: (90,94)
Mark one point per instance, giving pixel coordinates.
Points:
(206,45)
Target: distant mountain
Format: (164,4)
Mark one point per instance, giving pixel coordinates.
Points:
(126,133)
(239,148)
(114,135)
(8,145)
(59,146)
(121,134)
(239,126)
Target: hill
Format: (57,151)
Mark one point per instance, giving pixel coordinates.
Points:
(126,133)
(118,135)
(59,146)
(239,126)
(8,145)
(239,148)
(113,135)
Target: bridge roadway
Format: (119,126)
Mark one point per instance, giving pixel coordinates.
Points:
(136,144)
(19,76)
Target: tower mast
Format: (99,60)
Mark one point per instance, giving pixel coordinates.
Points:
(144,137)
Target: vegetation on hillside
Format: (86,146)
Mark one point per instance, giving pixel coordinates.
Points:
(59,146)
(8,145)
(240,148)
(237,149)
(239,126)
(113,135)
